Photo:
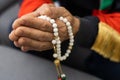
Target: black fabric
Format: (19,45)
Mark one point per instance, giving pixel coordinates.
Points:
(87,32)
(115,7)
(102,67)
(80,7)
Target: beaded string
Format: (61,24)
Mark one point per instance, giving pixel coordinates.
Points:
(57,44)
(71,38)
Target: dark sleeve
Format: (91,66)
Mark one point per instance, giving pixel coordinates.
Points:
(87,33)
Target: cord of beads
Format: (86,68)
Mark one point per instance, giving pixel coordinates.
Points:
(71,38)
(56,42)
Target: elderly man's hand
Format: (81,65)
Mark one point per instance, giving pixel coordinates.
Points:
(31,33)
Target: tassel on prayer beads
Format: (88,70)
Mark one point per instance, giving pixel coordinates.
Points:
(61,76)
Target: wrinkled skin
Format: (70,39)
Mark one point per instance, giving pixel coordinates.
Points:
(32,33)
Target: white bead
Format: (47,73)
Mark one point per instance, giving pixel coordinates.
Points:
(71,40)
(58,46)
(59,55)
(61,18)
(54,25)
(71,37)
(59,52)
(55,29)
(65,20)
(52,21)
(66,54)
(70,47)
(69,31)
(58,42)
(55,55)
(44,17)
(68,51)
(55,34)
(61,59)
(71,44)
(53,41)
(58,49)
(68,23)
(70,34)
(69,27)
(64,57)
(58,39)
(40,17)
(63,75)
(48,19)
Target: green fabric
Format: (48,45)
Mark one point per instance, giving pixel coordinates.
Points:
(105,4)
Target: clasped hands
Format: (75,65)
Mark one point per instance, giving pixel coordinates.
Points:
(31,33)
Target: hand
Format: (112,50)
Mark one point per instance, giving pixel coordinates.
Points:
(31,33)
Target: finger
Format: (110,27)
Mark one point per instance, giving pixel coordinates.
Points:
(61,11)
(25,49)
(63,33)
(23,20)
(33,22)
(44,7)
(34,45)
(16,44)
(55,12)
(34,34)
(12,36)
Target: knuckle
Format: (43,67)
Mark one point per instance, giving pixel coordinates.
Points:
(19,31)
(62,8)
(41,47)
(24,20)
(44,5)
(46,10)
(14,23)
(44,24)
(11,37)
(25,48)
(63,33)
(45,46)
(62,30)
(22,41)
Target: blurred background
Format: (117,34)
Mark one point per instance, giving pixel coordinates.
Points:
(8,13)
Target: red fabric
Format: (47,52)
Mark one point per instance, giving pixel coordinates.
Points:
(112,19)
(30,5)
